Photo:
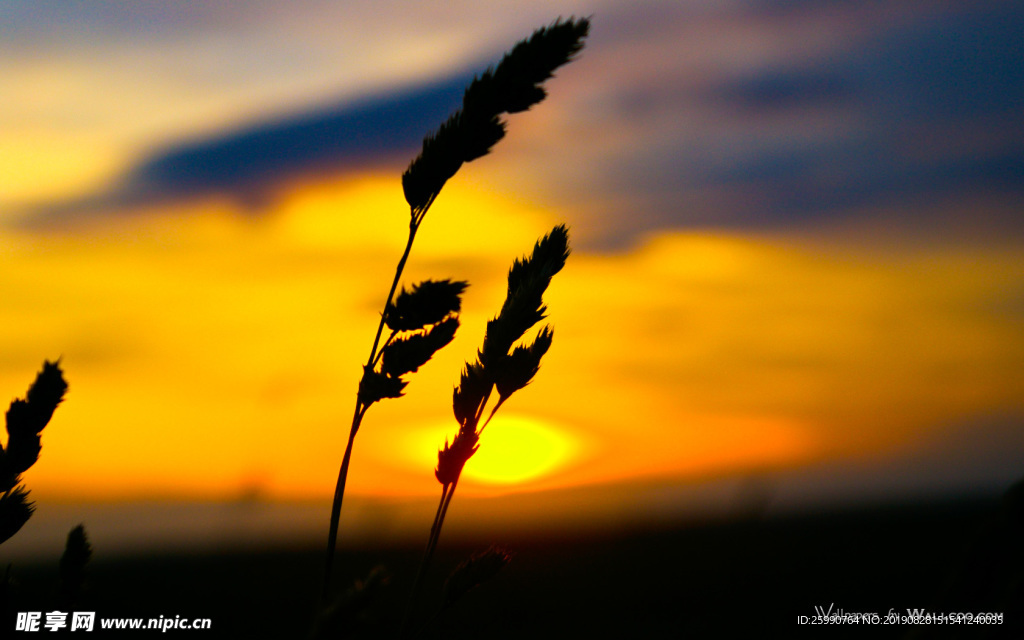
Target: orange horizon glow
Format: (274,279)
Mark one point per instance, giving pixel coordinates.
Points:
(215,355)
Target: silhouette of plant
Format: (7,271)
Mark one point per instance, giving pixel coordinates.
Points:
(26,419)
(499,367)
(468,575)
(424,319)
(347,614)
(77,553)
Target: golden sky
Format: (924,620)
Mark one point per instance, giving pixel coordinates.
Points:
(210,354)
(213,351)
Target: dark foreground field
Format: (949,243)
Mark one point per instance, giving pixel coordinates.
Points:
(738,578)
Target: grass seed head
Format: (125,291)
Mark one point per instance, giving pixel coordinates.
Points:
(376,386)
(516,370)
(475,571)
(439,160)
(513,86)
(15,510)
(426,303)
(452,458)
(409,353)
(469,397)
(47,391)
(528,279)
(23,442)
(77,553)
(26,420)
(349,613)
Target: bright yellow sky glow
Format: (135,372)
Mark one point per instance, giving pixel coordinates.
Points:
(212,354)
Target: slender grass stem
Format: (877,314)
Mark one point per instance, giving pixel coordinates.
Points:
(480,409)
(360,409)
(447,493)
(440,523)
(437,516)
(339,492)
(414,226)
(493,411)
(380,353)
(428,552)
(435,533)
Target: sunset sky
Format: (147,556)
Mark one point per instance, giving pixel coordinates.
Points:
(797,231)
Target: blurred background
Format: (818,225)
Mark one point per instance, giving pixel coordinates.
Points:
(796,282)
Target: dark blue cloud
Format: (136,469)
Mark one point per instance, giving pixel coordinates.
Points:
(344,136)
(936,109)
(841,178)
(781,89)
(252,163)
(923,109)
(966,64)
(919,111)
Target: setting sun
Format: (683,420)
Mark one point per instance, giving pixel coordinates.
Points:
(515,449)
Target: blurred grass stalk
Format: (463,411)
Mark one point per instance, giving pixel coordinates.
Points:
(514,85)
(26,419)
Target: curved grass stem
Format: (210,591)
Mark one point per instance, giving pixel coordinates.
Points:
(360,409)
(447,491)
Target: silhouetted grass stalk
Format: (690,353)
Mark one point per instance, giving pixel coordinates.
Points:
(469,574)
(498,367)
(360,408)
(429,313)
(514,85)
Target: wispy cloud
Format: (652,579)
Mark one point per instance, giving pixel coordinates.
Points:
(254,164)
(93,89)
(739,114)
(782,114)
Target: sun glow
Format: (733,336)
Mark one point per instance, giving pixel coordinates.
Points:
(514,450)
(517,449)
